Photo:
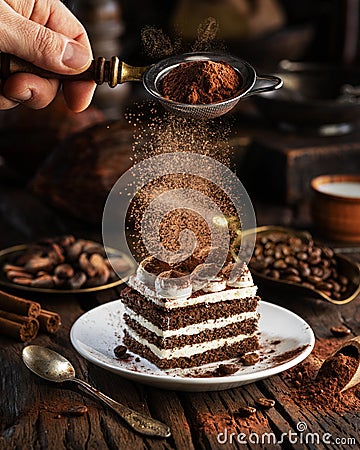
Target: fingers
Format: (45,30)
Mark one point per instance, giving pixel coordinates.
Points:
(47,34)
(64,48)
(78,94)
(28,89)
(5,103)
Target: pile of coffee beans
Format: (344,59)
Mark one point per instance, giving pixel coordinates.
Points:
(282,256)
(63,263)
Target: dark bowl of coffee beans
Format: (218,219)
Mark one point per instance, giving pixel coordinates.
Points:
(284,257)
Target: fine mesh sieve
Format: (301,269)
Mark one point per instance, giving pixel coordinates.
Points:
(115,72)
(251,84)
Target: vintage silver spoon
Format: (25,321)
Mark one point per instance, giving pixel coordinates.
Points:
(52,366)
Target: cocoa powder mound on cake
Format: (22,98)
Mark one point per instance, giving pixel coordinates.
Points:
(201,82)
(317,385)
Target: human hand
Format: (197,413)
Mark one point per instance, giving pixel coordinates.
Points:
(48,35)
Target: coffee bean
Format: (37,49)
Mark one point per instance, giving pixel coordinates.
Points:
(77,281)
(274,274)
(316,251)
(245,411)
(249,359)
(324,286)
(286,250)
(288,258)
(258,266)
(58,282)
(44,281)
(291,260)
(327,252)
(307,285)
(340,331)
(292,271)
(343,280)
(302,256)
(325,263)
(335,286)
(23,281)
(305,271)
(326,273)
(313,279)
(314,260)
(120,351)
(11,274)
(52,260)
(227,369)
(280,264)
(64,271)
(269,252)
(317,271)
(328,293)
(294,241)
(268,260)
(265,403)
(257,251)
(293,278)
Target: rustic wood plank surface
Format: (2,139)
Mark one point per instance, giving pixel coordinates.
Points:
(31,409)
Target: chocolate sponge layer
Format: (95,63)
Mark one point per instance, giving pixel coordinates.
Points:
(215,355)
(246,327)
(181,317)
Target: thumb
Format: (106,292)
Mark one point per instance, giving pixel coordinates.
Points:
(42,46)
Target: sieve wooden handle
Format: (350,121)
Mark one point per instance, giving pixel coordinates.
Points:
(101,71)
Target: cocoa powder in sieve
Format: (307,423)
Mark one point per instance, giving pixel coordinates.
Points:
(201,82)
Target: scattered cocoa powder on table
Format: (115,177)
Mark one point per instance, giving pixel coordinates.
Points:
(320,388)
(201,82)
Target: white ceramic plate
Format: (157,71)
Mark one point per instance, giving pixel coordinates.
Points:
(285,340)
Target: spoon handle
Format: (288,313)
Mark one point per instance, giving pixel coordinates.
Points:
(113,72)
(140,423)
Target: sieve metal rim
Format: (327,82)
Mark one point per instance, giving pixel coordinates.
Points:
(156,72)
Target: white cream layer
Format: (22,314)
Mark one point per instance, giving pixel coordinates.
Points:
(187,350)
(213,297)
(210,324)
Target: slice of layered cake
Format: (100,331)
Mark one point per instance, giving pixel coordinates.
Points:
(177,317)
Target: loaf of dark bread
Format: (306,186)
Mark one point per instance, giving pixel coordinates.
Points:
(27,137)
(82,169)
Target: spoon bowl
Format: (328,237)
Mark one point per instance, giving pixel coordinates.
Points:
(48,364)
(54,367)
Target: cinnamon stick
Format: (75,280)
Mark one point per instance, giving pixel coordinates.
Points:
(49,321)
(19,327)
(17,305)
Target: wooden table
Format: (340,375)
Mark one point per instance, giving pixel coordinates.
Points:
(30,411)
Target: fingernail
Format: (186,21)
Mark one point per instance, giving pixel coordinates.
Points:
(21,97)
(75,56)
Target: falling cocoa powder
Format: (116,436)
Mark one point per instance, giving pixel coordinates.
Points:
(157,44)
(201,82)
